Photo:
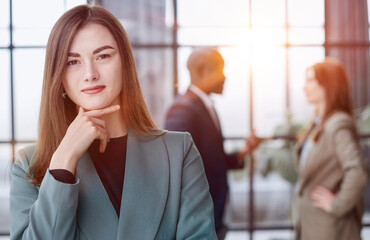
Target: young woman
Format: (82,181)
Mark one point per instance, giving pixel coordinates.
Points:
(100,168)
(332,174)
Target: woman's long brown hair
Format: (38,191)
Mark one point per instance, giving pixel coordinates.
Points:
(57,113)
(332,76)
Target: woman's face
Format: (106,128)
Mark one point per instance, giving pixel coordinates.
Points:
(315,93)
(93,77)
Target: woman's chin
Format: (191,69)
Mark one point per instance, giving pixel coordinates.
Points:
(89,107)
(98,104)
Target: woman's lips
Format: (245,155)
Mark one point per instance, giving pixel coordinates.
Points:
(93,89)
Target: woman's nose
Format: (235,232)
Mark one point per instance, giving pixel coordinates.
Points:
(91,73)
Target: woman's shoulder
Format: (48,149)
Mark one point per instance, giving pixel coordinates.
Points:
(178,141)
(339,120)
(177,136)
(171,138)
(24,156)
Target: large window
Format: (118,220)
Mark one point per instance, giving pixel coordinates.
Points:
(267,45)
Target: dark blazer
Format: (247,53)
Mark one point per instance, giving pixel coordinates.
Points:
(188,113)
(165,196)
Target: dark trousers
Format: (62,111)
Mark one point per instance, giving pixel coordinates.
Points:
(221,232)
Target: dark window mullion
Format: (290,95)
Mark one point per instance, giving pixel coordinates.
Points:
(287,77)
(11,77)
(250,194)
(175,47)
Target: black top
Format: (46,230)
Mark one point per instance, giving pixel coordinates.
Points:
(63,175)
(109,165)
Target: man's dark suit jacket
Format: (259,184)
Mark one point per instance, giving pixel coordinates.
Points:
(188,113)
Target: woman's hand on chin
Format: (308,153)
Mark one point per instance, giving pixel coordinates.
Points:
(80,134)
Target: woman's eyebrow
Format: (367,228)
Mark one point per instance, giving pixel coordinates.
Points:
(72,54)
(102,48)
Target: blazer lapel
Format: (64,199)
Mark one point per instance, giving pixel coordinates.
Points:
(204,110)
(307,168)
(314,161)
(96,217)
(145,187)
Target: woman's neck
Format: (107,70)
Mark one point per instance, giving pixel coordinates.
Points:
(115,125)
(320,110)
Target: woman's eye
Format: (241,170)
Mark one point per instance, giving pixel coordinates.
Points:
(103,56)
(73,62)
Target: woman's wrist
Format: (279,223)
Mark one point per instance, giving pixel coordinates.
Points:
(63,159)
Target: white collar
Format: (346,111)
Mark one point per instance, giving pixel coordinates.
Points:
(202,95)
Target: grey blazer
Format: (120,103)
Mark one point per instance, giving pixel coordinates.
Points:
(335,162)
(165,196)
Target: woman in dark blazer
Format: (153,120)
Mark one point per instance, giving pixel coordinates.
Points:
(100,168)
(328,200)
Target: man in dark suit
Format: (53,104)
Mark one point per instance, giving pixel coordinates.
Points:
(194,112)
